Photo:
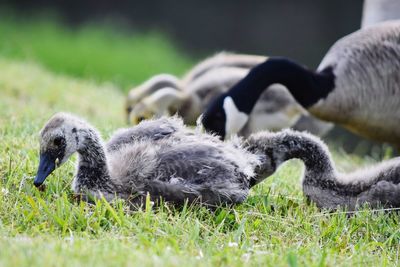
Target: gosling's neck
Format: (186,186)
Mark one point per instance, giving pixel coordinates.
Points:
(315,155)
(92,170)
(287,144)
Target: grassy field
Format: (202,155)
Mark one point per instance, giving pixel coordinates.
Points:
(274,227)
(99,52)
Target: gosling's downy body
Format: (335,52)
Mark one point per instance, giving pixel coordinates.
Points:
(356,86)
(376,186)
(160,157)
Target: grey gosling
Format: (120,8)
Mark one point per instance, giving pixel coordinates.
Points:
(377,186)
(356,86)
(160,157)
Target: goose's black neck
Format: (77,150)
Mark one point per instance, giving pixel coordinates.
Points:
(92,167)
(306,86)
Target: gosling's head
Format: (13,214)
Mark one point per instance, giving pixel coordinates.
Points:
(137,94)
(59,139)
(164,102)
(140,112)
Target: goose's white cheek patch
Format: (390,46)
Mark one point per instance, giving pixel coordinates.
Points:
(235,119)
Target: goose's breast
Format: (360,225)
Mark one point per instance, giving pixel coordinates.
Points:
(367,89)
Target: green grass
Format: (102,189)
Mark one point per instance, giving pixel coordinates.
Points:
(274,227)
(98,52)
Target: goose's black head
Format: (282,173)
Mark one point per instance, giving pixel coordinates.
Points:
(223,117)
(214,118)
(58,141)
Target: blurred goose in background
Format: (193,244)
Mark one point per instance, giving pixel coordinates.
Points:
(377,186)
(207,80)
(357,86)
(161,157)
(376,11)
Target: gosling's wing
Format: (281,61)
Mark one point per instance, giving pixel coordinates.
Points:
(205,171)
(152,130)
(175,193)
(202,165)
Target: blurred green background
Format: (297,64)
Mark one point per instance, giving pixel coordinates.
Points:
(98,52)
(126,42)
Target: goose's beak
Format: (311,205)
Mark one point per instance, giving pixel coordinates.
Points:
(47,165)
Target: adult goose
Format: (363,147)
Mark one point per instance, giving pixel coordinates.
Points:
(377,186)
(160,157)
(191,96)
(356,86)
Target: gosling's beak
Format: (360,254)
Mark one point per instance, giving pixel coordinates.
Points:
(47,165)
(136,120)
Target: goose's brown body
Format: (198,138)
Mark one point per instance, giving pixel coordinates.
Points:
(357,85)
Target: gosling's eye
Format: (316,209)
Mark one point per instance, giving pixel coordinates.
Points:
(129,109)
(141,118)
(57,141)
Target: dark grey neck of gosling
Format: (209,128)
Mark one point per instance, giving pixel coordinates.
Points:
(377,186)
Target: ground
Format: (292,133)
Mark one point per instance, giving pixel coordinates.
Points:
(275,226)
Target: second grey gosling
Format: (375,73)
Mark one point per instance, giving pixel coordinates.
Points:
(377,186)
